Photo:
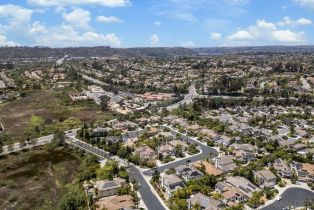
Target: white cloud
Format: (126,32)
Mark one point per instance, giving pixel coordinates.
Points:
(15,15)
(262,24)
(78,18)
(75,31)
(287,36)
(66,35)
(107,3)
(185,17)
(303,21)
(266,33)
(188,44)
(305,3)
(37,27)
(215,36)
(5,42)
(108,19)
(240,36)
(157,23)
(154,39)
(286,21)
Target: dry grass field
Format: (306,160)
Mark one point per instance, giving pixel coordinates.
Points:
(35,179)
(47,111)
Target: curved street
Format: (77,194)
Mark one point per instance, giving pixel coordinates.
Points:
(292,197)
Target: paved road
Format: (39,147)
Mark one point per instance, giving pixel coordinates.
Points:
(206,152)
(292,197)
(16,147)
(149,198)
(37,142)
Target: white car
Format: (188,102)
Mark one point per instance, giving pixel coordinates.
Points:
(279,198)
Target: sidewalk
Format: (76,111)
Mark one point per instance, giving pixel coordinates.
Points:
(283,189)
(147,179)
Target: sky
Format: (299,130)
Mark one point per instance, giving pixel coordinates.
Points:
(156,23)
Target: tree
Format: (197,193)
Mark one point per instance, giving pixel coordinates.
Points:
(156,176)
(59,138)
(109,171)
(104,102)
(122,152)
(74,199)
(179,152)
(197,206)
(256,199)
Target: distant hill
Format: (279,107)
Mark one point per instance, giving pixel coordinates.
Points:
(42,52)
(255,50)
(45,52)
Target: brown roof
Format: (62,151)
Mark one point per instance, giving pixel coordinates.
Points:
(309,168)
(115,202)
(209,168)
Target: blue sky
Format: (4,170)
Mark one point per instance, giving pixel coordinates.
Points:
(156,23)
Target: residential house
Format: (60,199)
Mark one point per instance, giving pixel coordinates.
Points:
(223,140)
(244,156)
(188,172)
(205,202)
(176,143)
(225,163)
(146,153)
(106,188)
(210,169)
(244,185)
(115,203)
(282,168)
(265,178)
(171,183)
(304,171)
(230,194)
(166,150)
(100,132)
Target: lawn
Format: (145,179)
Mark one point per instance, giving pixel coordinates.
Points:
(36,179)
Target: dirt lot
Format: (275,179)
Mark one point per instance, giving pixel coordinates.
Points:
(16,116)
(35,179)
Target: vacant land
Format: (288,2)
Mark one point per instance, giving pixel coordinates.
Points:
(43,112)
(35,179)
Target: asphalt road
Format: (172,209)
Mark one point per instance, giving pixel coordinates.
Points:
(207,152)
(292,197)
(38,142)
(149,198)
